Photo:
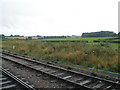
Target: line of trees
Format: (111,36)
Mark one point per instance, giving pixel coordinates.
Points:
(100,34)
(119,34)
(51,36)
(91,34)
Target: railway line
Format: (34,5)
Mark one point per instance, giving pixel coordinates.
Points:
(72,78)
(10,81)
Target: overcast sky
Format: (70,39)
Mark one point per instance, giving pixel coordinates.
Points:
(57,17)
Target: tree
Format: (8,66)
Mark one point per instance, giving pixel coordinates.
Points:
(119,34)
(99,34)
(2,36)
(11,35)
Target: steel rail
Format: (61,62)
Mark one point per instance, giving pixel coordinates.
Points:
(73,83)
(22,83)
(28,59)
(57,67)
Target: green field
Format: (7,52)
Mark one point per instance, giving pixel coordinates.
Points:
(89,39)
(95,55)
(116,40)
(75,39)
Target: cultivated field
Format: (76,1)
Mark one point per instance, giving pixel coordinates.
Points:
(96,55)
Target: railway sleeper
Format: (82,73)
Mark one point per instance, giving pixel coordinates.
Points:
(82,83)
(8,86)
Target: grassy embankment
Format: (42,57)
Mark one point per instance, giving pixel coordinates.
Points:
(87,54)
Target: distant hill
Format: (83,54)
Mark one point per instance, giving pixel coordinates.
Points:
(99,34)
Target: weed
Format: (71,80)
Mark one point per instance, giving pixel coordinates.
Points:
(86,54)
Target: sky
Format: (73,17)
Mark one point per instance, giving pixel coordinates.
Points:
(57,17)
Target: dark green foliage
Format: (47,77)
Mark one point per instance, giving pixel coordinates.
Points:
(2,35)
(119,34)
(55,36)
(99,34)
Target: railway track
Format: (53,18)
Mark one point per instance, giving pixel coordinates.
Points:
(10,81)
(73,78)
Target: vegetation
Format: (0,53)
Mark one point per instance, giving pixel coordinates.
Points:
(55,36)
(99,34)
(89,39)
(119,34)
(96,55)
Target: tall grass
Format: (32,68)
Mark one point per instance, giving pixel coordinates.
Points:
(90,55)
